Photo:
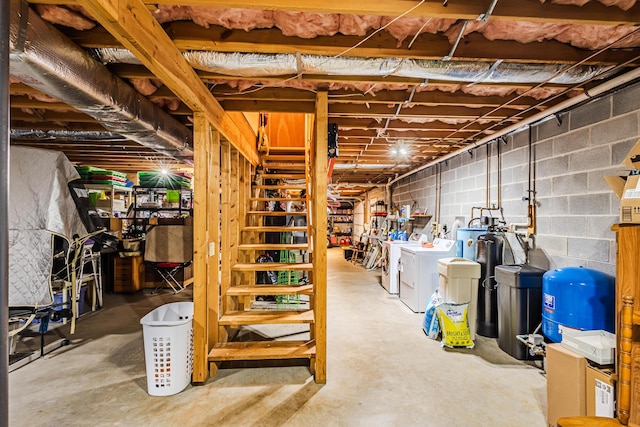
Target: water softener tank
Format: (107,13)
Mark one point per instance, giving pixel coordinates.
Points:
(578,298)
(489,255)
(466,238)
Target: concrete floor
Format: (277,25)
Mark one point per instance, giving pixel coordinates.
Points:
(382,371)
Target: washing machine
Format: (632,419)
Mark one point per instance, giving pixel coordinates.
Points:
(419,271)
(390,260)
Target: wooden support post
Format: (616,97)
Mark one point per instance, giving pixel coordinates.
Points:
(320,226)
(200,214)
(213,230)
(225,246)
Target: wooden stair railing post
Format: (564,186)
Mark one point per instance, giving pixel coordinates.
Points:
(624,375)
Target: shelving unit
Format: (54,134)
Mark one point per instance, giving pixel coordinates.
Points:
(150,202)
(340,223)
(112,191)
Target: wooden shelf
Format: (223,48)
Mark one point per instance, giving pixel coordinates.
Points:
(260,350)
(262,317)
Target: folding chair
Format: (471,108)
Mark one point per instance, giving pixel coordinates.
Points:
(168,250)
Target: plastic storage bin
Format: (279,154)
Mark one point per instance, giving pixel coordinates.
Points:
(458,283)
(519,301)
(168,348)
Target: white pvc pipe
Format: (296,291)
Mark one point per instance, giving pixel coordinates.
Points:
(604,87)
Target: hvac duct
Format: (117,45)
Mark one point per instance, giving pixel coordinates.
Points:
(263,65)
(43,58)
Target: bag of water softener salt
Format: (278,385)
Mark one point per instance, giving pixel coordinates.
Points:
(454,324)
(430,324)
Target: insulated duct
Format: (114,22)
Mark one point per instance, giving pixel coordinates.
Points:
(266,65)
(43,58)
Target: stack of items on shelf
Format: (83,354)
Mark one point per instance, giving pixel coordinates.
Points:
(171,180)
(93,175)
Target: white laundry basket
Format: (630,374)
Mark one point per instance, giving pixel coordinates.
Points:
(168,348)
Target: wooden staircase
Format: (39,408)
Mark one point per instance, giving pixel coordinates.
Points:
(289,296)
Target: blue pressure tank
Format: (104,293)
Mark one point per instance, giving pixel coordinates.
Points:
(578,298)
(467,239)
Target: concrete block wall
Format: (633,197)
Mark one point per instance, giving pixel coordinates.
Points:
(571,153)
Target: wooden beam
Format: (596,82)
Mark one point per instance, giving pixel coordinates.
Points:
(383,111)
(133,25)
(523,10)
(319,186)
(190,36)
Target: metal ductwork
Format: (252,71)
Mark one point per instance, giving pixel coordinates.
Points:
(267,65)
(43,58)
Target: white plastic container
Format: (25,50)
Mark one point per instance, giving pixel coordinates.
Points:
(458,283)
(597,346)
(168,348)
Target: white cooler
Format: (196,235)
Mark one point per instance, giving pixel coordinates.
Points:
(458,283)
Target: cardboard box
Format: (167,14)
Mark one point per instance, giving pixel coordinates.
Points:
(600,392)
(566,392)
(627,188)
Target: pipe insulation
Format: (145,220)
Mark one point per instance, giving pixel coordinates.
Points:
(593,93)
(269,65)
(45,59)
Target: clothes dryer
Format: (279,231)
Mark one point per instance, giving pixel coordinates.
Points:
(419,271)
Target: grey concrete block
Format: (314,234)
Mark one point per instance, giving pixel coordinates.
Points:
(620,128)
(507,176)
(590,113)
(462,172)
(597,182)
(589,159)
(477,168)
(589,249)
(544,187)
(550,128)
(552,245)
(553,166)
(519,139)
(513,208)
(613,251)
(590,204)
(558,205)
(543,224)
(568,226)
(600,226)
(570,184)
(513,191)
(605,267)
(449,176)
(620,150)
(556,261)
(543,149)
(626,100)
(515,157)
(571,141)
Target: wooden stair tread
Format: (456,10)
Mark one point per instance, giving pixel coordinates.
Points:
(263,317)
(269,290)
(280,187)
(274,228)
(277,199)
(278,213)
(275,266)
(283,176)
(259,350)
(283,157)
(274,246)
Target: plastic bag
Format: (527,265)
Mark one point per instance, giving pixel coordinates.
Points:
(455,325)
(430,325)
